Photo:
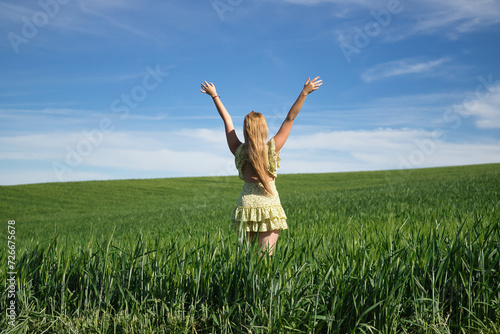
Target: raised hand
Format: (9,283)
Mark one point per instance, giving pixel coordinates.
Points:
(208,88)
(312,85)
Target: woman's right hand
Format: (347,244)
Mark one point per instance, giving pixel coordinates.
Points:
(311,85)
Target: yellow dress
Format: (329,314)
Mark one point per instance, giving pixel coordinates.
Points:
(257,210)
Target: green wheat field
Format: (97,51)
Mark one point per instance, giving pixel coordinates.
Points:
(405,251)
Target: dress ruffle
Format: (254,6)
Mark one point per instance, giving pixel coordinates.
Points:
(259,219)
(257,210)
(272,158)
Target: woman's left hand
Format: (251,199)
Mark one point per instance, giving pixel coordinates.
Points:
(208,88)
(311,85)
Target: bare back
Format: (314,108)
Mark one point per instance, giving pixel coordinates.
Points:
(249,175)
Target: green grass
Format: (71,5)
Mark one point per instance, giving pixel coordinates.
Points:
(413,251)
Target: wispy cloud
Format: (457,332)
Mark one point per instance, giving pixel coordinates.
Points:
(276,60)
(450,18)
(114,21)
(98,8)
(461,16)
(12,13)
(402,67)
(318,2)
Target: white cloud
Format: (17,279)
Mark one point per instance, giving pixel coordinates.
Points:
(380,149)
(34,147)
(346,141)
(201,152)
(187,163)
(195,152)
(482,106)
(402,67)
(203,135)
(445,154)
(350,150)
(487,110)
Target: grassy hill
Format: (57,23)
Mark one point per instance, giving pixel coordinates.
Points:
(393,251)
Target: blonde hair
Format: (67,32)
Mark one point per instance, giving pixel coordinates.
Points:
(255,133)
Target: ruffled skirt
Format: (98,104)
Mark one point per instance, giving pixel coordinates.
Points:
(259,211)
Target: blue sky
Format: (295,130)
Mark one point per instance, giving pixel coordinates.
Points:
(98,90)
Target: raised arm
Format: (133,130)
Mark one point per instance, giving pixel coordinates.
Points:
(282,135)
(232,139)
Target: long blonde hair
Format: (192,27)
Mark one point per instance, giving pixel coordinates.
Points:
(255,133)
